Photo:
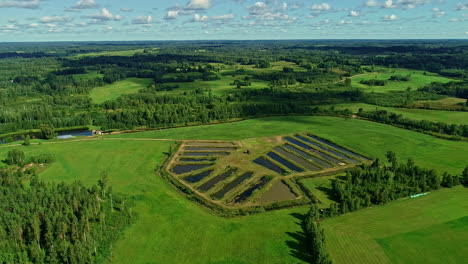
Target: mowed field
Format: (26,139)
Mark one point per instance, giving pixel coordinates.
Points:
(362,136)
(113,91)
(428,229)
(168,228)
(451,117)
(418,80)
(171,229)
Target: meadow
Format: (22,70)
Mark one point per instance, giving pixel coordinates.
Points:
(172,229)
(362,136)
(113,91)
(398,232)
(417,80)
(451,117)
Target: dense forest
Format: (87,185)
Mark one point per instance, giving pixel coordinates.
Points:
(58,223)
(51,85)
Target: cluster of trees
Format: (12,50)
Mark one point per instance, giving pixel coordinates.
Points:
(379,183)
(455,89)
(374,82)
(400,78)
(386,117)
(58,223)
(17,157)
(314,235)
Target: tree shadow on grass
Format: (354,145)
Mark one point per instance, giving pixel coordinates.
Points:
(297,241)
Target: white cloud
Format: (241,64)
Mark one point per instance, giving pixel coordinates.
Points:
(198,5)
(55,19)
(105,15)
(171,14)
(390,17)
(345,22)
(437,13)
(321,7)
(268,11)
(353,13)
(372,3)
(29,4)
(85,4)
(142,20)
(199,18)
(462,7)
(389,4)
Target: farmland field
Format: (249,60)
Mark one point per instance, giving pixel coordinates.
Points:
(398,232)
(453,117)
(417,80)
(113,91)
(166,221)
(365,137)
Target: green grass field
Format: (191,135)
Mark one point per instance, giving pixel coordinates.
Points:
(124,53)
(418,80)
(366,137)
(317,186)
(428,229)
(452,117)
(172,229)
(169,228)
(113,91)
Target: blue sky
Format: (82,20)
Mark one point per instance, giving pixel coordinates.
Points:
(63,20)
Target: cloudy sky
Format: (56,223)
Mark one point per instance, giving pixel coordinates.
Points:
(57,20)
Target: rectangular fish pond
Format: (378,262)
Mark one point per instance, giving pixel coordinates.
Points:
(208,149)
(269,165)
(303,162)
(198,177)
(327,149)
(186,168)
(321,154)
(246,194)
(212,182)
(305,155)
(204,154)
(233,184)
(352,154)
(284,162)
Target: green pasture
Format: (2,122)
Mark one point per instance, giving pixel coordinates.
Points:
(418,80)
(172,229)
(366,137)
(168,228)
(123,53)
(451,117)
(318,186)
(113,91)
(428,229)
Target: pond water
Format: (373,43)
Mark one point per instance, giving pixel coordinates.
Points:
(181,169)
(195,160)
(204,154)
(304,163)
(327,149)
(74,133)
(314,151)
(209,149)
(212,182)
(284,162)
(246,194)
(305,155)
(269,165)
(278,192)
(228,187)
(198,177)
(209,144)
(337,147)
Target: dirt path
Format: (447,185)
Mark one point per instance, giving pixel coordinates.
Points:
(104,138)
